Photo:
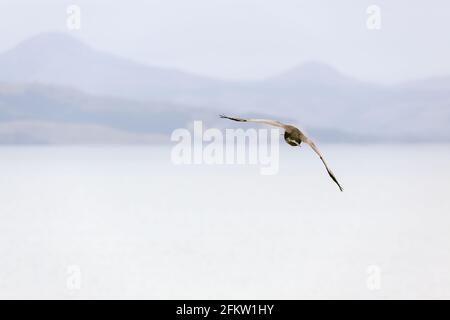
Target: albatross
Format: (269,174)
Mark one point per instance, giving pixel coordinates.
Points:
(293,136)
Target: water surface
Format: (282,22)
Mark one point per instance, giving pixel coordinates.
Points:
(137,226)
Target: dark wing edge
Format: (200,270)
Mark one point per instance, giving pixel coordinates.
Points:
(330,173)
(263,121)
(232,118)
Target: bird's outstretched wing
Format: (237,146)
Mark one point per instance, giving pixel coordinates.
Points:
(316,150)
(264,121)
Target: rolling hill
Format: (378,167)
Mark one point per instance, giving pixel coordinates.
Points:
(53,81)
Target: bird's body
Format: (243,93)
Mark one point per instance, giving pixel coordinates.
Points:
(293,136)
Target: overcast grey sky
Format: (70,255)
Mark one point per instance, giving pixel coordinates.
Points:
(248,39)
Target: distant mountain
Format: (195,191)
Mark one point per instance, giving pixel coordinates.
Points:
(59,59)
(43,114)
(311,73)
(119,94)
(39,114)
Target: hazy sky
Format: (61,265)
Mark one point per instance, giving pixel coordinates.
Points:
(248,39)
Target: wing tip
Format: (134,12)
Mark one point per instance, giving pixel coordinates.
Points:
(232,118)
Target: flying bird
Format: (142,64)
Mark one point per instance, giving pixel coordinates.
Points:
(292,136)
